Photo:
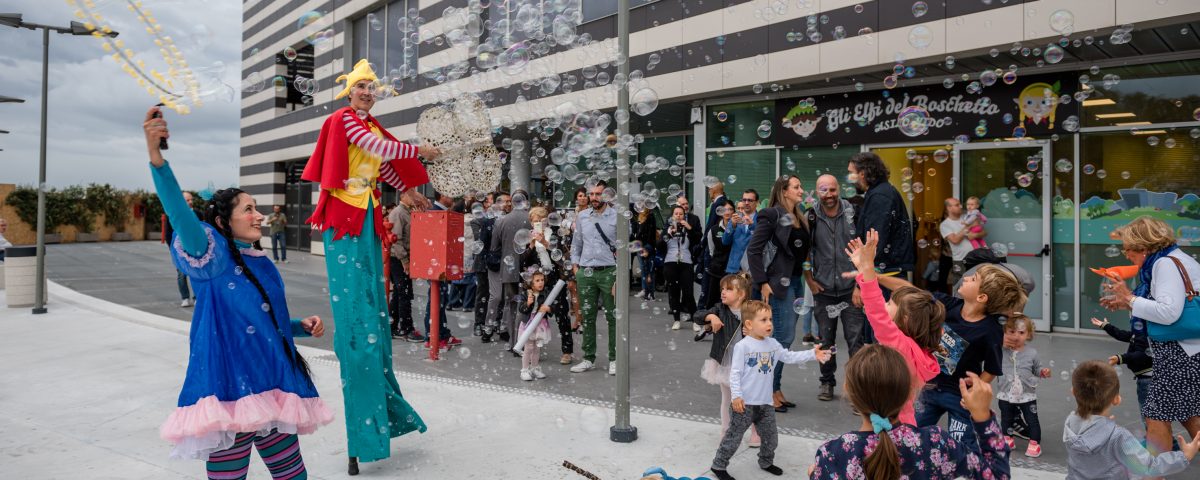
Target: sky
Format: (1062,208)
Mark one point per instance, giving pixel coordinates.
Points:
(96,110)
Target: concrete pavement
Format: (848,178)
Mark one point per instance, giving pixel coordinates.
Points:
(86,386)
(665,364)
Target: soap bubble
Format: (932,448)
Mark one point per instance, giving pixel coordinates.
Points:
(919,9)
(941,155)
(644,101)
(1112,251)
(593,420)
(1101,173)
(1000,249)
(732,179)
(1063,165)
(913,121)
(1063,22)
(514,60)
(290,54)
(372,338)
(250,330)
(1054,54)
(920,37)
(764,129)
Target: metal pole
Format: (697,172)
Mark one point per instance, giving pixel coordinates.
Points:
(39,297)
(622,432)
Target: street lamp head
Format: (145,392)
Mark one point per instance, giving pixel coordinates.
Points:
(81,29)
(10,19)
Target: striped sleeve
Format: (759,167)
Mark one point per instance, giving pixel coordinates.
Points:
(388,149)
(388,174)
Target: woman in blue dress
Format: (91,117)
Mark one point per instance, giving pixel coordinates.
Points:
(246,383)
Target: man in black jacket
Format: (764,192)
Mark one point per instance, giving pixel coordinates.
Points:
(884,211)
(481,231)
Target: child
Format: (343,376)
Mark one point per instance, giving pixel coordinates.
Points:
(246,383)
(879,385)
(722,322)
(1098,448)
(975,220)
(910,322)
(1017,391)
(753,364)
(531,305)
(972,336)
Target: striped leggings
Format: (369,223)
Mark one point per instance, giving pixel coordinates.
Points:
(280,451)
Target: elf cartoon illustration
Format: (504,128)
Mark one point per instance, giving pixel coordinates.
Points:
(803,118)
(1037,103)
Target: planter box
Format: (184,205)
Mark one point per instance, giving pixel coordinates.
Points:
(122,237)
(85,237)
(53,238)
(156,236)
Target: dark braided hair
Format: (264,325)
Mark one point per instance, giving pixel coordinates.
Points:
(221,208)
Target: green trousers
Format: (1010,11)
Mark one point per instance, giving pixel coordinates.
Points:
(594,289)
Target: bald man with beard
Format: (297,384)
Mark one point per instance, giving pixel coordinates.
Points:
(832,221)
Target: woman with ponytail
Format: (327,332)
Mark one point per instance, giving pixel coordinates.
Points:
(246,383)
(879,385)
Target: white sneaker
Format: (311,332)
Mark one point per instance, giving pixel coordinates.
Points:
(640,295)
(612,368)
(187,302)
(675,326)
(537,372)
(525,375)
(583,367)
(696,328)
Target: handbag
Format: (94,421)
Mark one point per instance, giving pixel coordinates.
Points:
(1188,325)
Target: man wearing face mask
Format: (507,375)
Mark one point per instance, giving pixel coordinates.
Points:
(883,210)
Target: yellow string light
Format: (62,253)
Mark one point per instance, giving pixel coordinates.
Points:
(157,84)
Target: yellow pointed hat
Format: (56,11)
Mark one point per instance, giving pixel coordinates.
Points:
(362,71)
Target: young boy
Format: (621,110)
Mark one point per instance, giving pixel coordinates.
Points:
(973,334)
(1098,448)
(754,360)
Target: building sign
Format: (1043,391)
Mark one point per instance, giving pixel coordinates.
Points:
(1024,107)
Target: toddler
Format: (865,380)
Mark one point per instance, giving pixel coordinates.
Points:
(1017,390)
(975,220)
(534,303)
(753,364)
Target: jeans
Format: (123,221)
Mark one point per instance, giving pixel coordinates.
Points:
(930,406)
(852,319)
(462,292)
(783,319)
(400,304)
(1028,411)
(182,281)
(679,289)
(806,309)
(278,242)
(481,298)
(647,265)
(595,290)
(443,328)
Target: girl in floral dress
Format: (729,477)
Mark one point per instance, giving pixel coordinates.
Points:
(878,384)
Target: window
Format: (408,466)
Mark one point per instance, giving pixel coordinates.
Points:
(670,148)
(597,9)
(742,169)
(388,38)
(737,125)
(1135,102)
(300,67)
(1123,177)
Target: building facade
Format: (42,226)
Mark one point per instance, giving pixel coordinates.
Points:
(1065,118)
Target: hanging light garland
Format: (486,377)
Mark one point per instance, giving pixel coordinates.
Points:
(175,88)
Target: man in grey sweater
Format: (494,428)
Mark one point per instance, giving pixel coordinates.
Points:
(832,222)
(504,235)
(400,305)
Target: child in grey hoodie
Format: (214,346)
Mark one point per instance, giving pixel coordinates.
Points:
(1098,448)
(1017,389)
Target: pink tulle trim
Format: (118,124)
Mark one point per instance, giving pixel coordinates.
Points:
(209,424)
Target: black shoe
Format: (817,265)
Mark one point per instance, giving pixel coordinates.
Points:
(826,392)
(700,336)
(398,334)
(503,336)
(773,470)
(414,336)
(352,469)
(781,409)
(485,338)
(479,330)
(722,474)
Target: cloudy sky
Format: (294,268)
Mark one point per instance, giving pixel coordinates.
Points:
(96,110)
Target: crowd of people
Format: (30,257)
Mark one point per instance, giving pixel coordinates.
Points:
(763,271)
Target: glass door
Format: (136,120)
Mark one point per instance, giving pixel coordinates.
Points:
(1007,178)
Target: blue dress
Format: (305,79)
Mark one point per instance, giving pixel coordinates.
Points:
(239,377)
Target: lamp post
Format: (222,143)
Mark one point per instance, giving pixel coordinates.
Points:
(76,28)
(622,431)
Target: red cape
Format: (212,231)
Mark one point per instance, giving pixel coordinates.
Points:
(329,165)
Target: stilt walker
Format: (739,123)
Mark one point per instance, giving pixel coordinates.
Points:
(353,152)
